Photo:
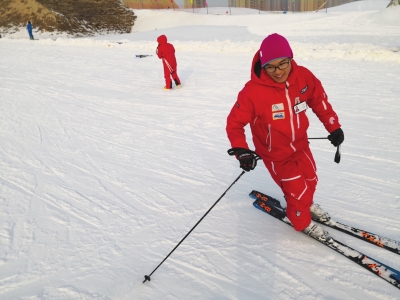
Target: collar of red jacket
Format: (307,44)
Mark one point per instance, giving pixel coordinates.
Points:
(259,76)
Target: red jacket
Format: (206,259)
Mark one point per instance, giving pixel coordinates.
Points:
(166,50)
(268,107)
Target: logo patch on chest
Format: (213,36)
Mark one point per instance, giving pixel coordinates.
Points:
(304,89)
(277,107)
(278,115)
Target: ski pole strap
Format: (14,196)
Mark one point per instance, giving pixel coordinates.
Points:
(337,155)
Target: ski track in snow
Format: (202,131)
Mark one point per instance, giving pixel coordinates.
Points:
(102,172)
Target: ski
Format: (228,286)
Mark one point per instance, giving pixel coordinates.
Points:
(380,241)
(143,55)
(375,239)
(273,207)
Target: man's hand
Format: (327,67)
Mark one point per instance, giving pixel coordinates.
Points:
(246,157)
(336,137)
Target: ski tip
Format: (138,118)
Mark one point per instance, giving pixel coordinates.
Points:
(258,195)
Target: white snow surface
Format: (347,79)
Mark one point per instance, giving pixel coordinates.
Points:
(102,172)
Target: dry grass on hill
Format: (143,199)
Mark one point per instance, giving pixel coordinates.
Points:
(76,17)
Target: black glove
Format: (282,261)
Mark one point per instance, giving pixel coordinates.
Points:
(247,158)
(336,137)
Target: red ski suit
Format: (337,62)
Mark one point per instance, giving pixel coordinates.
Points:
(280,135)
(166,52)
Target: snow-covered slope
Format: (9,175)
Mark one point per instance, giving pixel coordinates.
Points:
(102,172)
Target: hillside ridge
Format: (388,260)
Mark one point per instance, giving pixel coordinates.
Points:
(74,17)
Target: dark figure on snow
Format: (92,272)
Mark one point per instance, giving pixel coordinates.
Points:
(166,52)
(29,28)
(274,103)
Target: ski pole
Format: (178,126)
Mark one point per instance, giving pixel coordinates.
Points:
(337,154)
(147,277)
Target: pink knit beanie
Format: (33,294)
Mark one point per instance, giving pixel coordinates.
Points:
(274,47)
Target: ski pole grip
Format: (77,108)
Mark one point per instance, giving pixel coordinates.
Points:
(236,151)
(232,151)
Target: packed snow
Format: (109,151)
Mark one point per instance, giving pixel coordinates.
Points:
(102,172)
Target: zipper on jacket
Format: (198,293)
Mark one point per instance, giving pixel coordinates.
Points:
(254,122)
(298,121)
(269,138)
(291,115)
(298,115)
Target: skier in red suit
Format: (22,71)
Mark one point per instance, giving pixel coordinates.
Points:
(166,52)
(274,103)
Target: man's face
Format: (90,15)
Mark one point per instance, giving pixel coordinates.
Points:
(279,69)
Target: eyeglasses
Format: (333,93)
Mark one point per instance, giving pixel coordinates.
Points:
(281,66)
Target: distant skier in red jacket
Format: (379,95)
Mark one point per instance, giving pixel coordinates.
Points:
(274,103)
(166,52)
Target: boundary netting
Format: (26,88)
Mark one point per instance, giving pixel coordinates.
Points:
(231,7)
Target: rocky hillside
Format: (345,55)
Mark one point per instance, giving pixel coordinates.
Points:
(75,17)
